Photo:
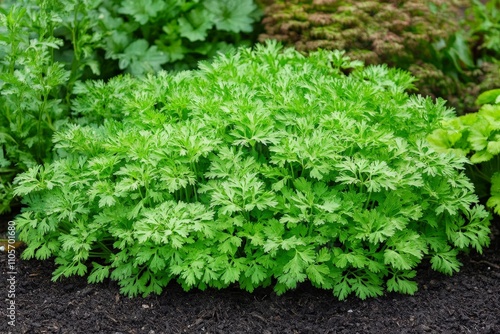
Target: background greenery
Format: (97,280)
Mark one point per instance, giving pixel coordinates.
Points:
(48,46)
(448,45)
(476,136)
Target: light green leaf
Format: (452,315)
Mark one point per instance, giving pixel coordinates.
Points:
(195,25)
(142,11)
(446,262)
(231,15)
(488,97)
(98,274)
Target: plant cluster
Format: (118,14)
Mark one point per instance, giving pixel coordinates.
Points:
(483,20)
(422,36)
(48,46)
(477,137)
(471,56)
(262,167)
(144,35)
(35,86)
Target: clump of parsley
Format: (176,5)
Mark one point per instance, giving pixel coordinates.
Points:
(263,167)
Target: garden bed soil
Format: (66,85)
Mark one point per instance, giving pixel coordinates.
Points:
(467,302)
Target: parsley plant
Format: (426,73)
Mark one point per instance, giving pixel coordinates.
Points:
(262,167)
(37,75)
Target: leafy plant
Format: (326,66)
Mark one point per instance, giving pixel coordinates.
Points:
(147,36)
(262,167)
(47,46)
(468,58)
(483,20)
(35,86)
(477,136)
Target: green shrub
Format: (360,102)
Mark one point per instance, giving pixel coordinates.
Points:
(477,137)
(421,36)
(263,167)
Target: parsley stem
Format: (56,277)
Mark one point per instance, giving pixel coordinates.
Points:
(107,251)
(478,172)
(76,63)
(367,203)
(195,192)
(41,111)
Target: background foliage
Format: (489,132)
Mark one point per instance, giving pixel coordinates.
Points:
(263,167)
(476,136)
(424,37)
(143,36)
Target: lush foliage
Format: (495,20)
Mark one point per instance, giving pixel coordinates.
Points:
(144,35)
(35,87)
(422,36)
(47,46)
(263,167)
(483,20)
(478,67)
(477,136)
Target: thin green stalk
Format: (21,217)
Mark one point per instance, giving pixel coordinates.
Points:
(106,250)
(76,63)
(367,203)
(477,172)
(41,112)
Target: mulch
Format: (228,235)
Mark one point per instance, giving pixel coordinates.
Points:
(467,302)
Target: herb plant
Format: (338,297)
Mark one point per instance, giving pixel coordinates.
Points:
(262,167)
(142,37)
(477,137)
(48,46)
(36,80)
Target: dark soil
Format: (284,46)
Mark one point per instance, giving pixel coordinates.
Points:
(468,302)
